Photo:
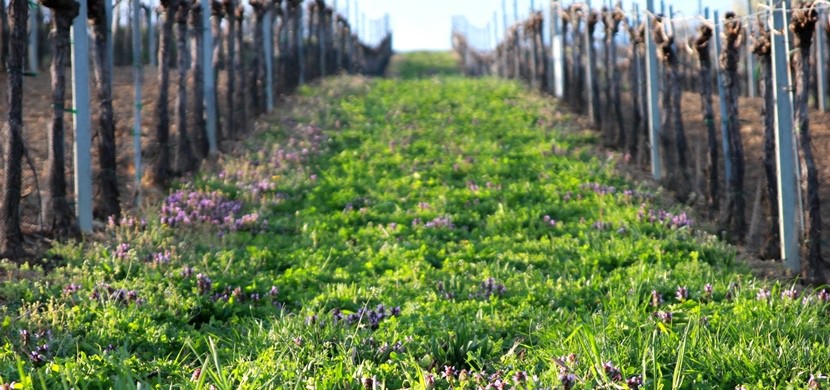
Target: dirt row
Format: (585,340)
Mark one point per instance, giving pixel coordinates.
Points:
(37,113)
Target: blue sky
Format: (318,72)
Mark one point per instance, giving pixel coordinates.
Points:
(426,24)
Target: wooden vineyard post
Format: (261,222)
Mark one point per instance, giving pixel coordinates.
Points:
(81,120)
(557,51)
(821,55)
(785,149)
(137,76)
(651,104)
(722,94)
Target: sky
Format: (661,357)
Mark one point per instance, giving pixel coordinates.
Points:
(426,24)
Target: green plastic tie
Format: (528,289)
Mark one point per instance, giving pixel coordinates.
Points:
(65,109)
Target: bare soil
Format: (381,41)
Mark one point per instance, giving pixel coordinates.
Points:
(38,118)
(752,134)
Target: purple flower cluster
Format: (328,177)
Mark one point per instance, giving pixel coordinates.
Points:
(763,294)
(122,251)
(261,186)
(490,287)
(613,373)
(790,293)
(548,220)
(664,316)
(203,283)
(600,189)
(438,222)
(71,288)
(682,293)
(634,382)
(479,379)
(666,218)
(656,298)
(159,258)
(567,364)
(190,207)
(120,295)
(184,208)
(372,318)
(126,221)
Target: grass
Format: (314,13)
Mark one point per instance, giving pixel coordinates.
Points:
(425,232)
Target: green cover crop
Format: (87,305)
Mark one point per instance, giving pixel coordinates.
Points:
(432,232)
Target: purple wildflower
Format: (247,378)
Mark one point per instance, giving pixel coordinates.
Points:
(664,316)
(122,251)
(568,380)
(203,283)
(448,373)
(682,293)
(790,293)
(763,294)
(656,298)
(634,382)
(520,377)
(707,290)
(71,289)
(612,372)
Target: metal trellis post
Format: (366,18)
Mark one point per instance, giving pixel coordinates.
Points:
(81,120)
(724,115)
(137,71)
(653,92)
(785,150)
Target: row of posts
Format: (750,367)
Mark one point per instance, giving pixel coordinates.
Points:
(507,60)
(81,79)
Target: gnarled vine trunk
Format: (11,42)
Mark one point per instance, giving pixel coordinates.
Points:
(11,135)
(239,64)
(735,197)
(185,159)
(701,47)
(108,204)
(57,215)
(803,23)
(161,171)
(231,70)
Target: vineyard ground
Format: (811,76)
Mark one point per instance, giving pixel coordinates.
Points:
(438,232)
(37,119)
(752,133)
